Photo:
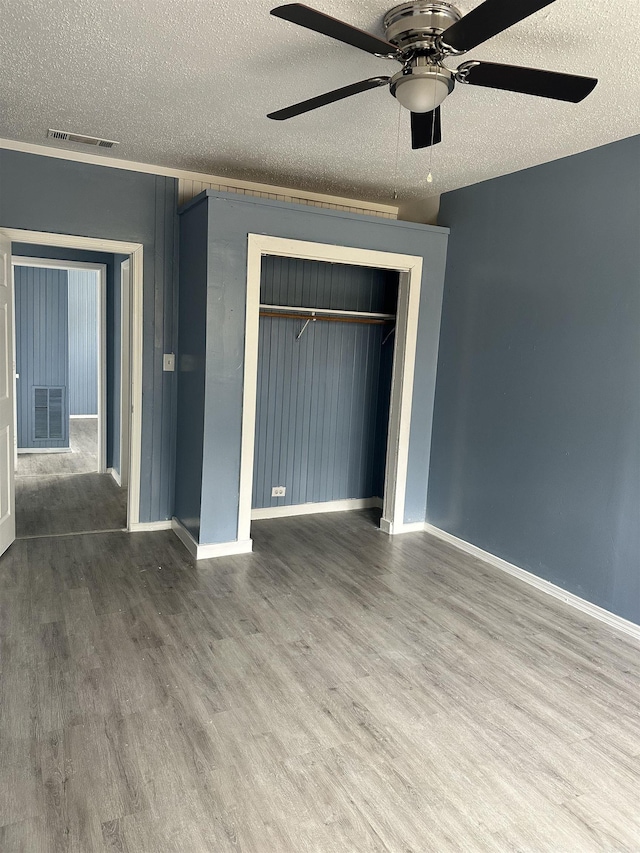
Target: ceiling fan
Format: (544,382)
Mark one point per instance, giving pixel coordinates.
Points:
(421,36)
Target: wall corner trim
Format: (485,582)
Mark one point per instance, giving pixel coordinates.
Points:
(611,619)
(214,549)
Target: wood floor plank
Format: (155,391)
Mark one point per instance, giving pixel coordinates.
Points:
(335,691)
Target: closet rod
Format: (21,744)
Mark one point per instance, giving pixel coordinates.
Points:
(317,312)
(368,320)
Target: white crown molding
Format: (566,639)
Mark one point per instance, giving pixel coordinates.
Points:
(611,619)
(181,174)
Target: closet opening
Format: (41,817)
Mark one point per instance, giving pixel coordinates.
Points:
(325,359)
(329,364)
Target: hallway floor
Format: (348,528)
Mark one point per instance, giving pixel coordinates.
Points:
(82,459)
(58,493)
(337,691)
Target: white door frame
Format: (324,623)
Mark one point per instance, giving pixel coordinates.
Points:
(101,269)
(125,385)
(135,250)
(410,269)
(7,403)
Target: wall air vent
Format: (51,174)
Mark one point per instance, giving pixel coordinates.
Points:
(66,136)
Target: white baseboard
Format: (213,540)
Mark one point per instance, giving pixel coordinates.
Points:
(214,549)
(313,508)
(393,529)
(115,475)
(150,526)
(44,450)
(84,417)
(611,619)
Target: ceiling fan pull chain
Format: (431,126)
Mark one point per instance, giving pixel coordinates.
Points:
(433,134)
(395,171)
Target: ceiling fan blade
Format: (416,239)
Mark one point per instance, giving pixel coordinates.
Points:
(328,98)
(426,129)
(487,20)
(304,16)
(529,81)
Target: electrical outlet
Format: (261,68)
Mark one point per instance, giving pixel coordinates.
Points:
(278,491)
(168,361)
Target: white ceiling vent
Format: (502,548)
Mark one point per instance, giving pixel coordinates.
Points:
(66,136)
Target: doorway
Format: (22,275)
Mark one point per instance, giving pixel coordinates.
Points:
(74,437)
(60,311)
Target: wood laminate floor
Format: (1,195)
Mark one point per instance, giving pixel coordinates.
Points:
(82,458)
(58,493)
(69,503)
(337,691)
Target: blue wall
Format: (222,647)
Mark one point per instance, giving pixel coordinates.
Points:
(536,439)
(83,342)
(42,354)
(191,366)
(320,398)
(46,194)
(228,219)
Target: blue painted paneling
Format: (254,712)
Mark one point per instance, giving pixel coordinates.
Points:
(230,219)
(52,195)
(319,398)
(536,445)
(42,355)
(83,342)
(191,367)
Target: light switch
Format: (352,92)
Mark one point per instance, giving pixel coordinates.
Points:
(169,361)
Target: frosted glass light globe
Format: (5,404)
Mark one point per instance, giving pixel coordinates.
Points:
(421,94)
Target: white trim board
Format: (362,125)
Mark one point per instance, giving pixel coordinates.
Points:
(611,619)
(116,476)
(150,526)
(345,505)
(409,268)
(395,529)
(250,187)
(44,450)
(215,549)
(135,250)
(82,417)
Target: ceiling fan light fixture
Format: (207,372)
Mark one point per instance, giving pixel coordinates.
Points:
(422,88)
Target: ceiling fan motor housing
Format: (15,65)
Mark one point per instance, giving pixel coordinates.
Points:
(416,26)
(423,82)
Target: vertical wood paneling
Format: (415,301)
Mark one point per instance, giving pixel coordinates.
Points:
(42,354)
(83,342)
(323,400)
(189,189)
(50,195)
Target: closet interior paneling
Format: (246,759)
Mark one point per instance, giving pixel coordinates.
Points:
(323,398)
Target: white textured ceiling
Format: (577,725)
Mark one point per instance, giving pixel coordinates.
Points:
(187,84)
